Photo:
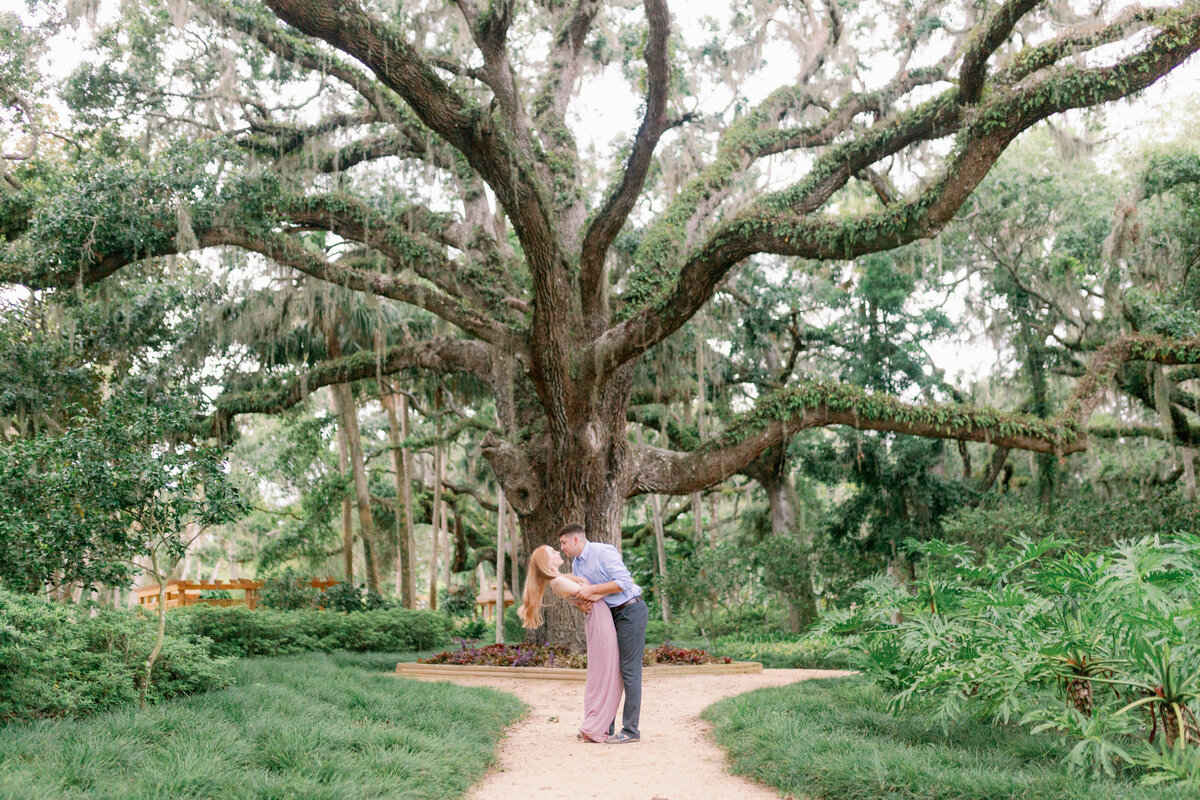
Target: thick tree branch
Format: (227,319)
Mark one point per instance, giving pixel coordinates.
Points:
(984,41)
(984,135)
(612,215)
(382,47)
(304,54)
(443,355)
(286,251)
(280,139)
(1085,37)
(782,414)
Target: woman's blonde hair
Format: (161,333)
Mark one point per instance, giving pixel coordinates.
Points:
(539,577)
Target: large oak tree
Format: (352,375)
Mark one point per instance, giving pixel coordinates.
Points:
(439,140)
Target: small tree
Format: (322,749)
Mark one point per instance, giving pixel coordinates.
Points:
(123,484)
(170,488)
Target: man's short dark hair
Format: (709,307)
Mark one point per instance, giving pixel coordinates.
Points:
(571,530)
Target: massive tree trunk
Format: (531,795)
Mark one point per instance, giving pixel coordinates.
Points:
(583,476)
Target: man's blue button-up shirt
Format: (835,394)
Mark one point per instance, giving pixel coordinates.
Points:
(601,563)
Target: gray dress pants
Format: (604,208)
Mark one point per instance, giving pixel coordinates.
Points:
(630,623)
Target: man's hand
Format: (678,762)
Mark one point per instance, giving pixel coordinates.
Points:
(590,593)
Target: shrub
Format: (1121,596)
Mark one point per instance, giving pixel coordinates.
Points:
(288,590)
(777,651)
(457,601)
(348,597)
(473,628)
(238,631)
(1103,647)
(58,661)
(667,653)
(510,655)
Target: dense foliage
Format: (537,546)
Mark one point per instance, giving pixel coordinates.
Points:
(786,651)
(1100,645)
(240,632)
(60,661)
(113,485)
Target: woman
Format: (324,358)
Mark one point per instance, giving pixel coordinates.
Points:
(602,694)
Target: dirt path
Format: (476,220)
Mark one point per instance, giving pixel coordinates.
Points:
(676,759)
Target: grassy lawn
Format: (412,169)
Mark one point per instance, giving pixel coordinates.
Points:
(313,726)
(833,739)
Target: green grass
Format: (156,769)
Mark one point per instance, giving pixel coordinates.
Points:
(834,739)
(809,652)
(313,726)
(380,662)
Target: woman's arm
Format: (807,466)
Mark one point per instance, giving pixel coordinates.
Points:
(566,585)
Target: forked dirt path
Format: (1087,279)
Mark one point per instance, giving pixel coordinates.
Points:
(675,760)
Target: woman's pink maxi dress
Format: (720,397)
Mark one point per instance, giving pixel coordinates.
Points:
(602,694)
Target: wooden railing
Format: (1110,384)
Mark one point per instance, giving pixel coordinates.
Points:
(187,593)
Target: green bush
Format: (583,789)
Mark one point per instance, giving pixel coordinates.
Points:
(238,631)
(457,601)
(349,597)
(775,652)
(288,590)
(1101,646)
(473,628)
(59,662)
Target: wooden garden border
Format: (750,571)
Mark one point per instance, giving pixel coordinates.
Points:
(407,669)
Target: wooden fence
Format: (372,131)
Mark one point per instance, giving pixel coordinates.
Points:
(187,593)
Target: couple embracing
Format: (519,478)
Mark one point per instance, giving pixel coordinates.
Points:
(600,586)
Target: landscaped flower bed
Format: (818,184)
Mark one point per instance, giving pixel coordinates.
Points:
(534,655)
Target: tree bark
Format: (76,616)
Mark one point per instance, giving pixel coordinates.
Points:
(435,514)
(514,554)
(161,633)
(410,571)
(500,567)
(403,531)
(334,348)
(362,492)
(661,552)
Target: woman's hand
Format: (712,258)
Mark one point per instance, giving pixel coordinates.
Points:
(583,605)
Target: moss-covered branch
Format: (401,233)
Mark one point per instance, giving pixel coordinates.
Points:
(609,220)
(780,415)
(286,251)
(984,41)
(442,355)
(773,226)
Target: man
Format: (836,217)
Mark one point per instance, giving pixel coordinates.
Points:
(601,565)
